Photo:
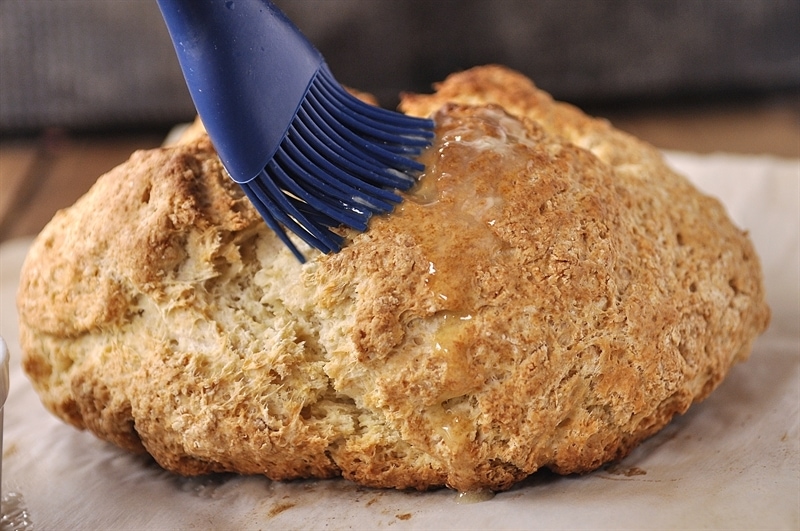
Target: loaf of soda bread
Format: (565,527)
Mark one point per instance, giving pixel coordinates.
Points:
(548,296)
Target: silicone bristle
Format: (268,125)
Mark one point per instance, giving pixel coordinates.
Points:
(341,161)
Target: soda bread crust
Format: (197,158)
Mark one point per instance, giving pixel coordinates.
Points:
(548,297)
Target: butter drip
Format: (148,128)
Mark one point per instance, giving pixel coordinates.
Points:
(461,196)
(460,190)
(459,216)
(474,496)
(444,340)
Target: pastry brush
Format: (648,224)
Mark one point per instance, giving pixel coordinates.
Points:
(309,155)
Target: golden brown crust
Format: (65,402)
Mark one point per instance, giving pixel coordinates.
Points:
(549,296)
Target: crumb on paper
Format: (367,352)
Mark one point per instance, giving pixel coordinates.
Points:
(278,508)
(11,450)
(626,471)
(374,499)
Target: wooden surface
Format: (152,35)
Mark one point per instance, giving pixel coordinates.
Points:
(40,175)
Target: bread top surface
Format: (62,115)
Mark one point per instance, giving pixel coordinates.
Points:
(548,296)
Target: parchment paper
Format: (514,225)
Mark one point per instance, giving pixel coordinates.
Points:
(732,461)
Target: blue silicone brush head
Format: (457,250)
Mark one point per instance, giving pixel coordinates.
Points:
(309,155)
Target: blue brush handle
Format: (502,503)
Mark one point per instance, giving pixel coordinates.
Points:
(248,69)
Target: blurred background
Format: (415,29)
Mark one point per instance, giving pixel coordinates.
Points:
(92,64)
(84,82)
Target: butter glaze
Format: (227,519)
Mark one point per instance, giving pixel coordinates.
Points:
(461,191)
(459,197)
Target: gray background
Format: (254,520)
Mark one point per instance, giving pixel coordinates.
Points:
(109,64)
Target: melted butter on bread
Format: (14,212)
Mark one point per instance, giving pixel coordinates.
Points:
(548,297)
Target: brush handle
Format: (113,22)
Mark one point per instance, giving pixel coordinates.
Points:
(248,68)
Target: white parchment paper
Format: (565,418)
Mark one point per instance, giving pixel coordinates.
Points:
(732,461)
